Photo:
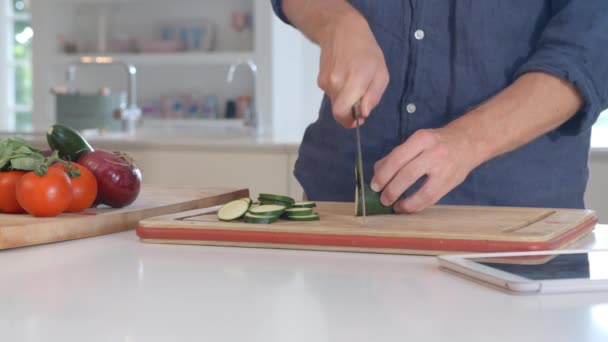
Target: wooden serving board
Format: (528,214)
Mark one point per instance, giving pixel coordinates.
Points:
(437,230)
(26,230)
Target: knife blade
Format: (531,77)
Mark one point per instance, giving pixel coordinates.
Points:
(356,114)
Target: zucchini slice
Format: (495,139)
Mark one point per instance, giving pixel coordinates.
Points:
(307,204)
(312,217)
(247,199)
(268,210)
(233,210)
(273,197)
(259,219)
(298,212)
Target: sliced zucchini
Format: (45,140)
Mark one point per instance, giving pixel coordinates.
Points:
(247,199)
(307,204)
(233,210)
(273,197)
(264,201)
(260,219)
(298,212)
(268,210)
(312,217)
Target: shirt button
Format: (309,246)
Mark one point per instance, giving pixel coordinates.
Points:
(411,108)
(419,34)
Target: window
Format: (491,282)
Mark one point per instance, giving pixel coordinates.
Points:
(16,59)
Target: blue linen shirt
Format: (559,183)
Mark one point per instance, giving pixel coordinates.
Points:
(446,56)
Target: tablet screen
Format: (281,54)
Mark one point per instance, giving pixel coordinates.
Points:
(593,265)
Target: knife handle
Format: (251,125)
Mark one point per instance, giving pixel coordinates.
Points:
(356,110)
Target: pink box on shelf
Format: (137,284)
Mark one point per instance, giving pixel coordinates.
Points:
(122,45)
(159,46)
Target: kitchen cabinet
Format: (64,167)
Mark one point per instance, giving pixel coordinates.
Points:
(260,172)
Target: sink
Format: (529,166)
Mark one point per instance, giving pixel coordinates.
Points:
(179,130)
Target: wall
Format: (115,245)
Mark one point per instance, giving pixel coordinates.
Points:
(597,188)
(5,122)
(296,97)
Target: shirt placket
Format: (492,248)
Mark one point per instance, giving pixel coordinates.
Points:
(415,36)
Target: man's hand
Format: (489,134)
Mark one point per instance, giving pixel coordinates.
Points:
(442,155)
(534,104)
(352,65)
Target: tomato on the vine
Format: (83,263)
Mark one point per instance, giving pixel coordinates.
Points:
(8,192)
(47,195)
(84,187)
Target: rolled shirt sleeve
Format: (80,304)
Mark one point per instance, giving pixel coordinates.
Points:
(277,6)
(574,47)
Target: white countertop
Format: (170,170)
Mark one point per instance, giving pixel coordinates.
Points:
(173,140)
(114,288)
(190,139)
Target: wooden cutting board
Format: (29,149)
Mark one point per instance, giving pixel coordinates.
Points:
(437,230)
(26,230)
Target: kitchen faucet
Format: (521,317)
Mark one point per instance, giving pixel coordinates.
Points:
(254,119)
(130,113)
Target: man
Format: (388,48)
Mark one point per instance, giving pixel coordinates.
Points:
(464,101)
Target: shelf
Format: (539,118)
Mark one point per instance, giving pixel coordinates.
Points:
(155,59)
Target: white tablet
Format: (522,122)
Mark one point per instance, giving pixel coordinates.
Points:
(534,272)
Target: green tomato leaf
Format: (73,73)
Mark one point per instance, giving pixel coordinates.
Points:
(25,163)
(17,154)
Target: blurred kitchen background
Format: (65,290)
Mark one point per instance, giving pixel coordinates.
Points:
(201,92)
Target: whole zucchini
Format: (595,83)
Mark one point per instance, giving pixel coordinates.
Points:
(373,205)
(69,143)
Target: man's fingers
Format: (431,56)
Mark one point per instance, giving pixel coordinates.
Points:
(386,168)
(374,92)
(331,83)
(428,194)
(332,78)
(354,124)
(406,177)
(352,91)
(442,177)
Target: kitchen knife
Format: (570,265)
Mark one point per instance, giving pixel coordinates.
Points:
(356,113)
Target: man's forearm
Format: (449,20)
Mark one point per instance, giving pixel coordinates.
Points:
(533,105)
(313,17)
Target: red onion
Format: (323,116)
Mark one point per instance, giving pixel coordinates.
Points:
(118,177)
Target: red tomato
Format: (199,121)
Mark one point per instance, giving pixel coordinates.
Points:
(84,187)
(8,192)
(47,195)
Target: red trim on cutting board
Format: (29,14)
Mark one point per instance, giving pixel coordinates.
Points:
(363,241)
